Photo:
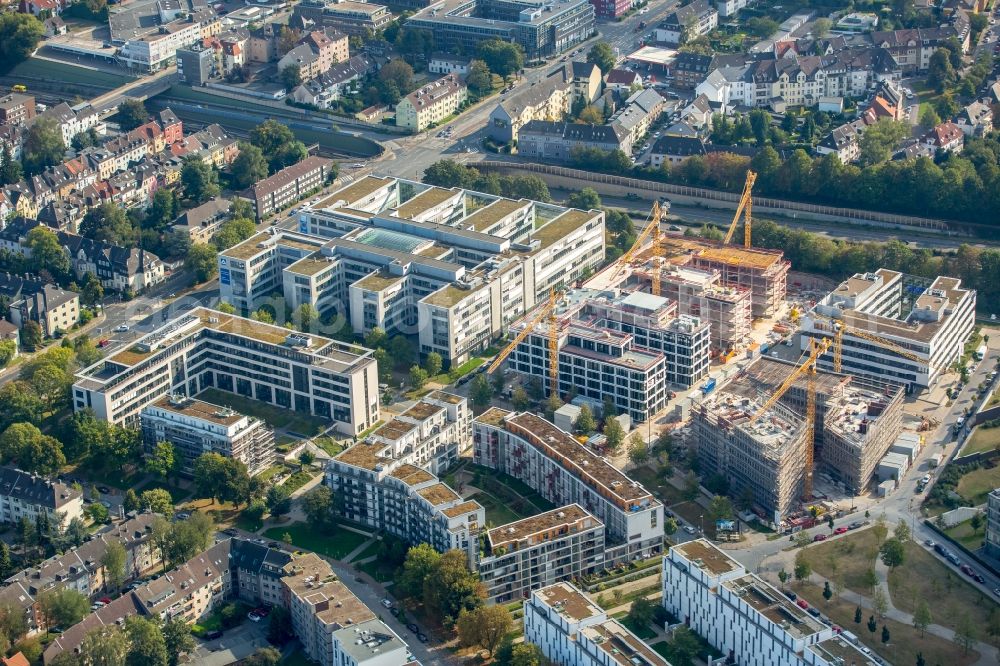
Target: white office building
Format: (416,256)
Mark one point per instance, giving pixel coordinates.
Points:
(205,348)
(571,629)
(931,323)
(744,617)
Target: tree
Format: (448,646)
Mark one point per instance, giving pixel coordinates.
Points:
(872,625)
(291,77)
(803,569)
(433,363)
(520,400)
(157,500)
(503,58)
(684,647)
(63,607)
(585,422)
(885,634)
(614,434)
(43,142)
(920,659)
(147,645)
(878,141)
(821,26)
(318,506)
(638,451)
(249,166)
(940,71)
(199,180)
(603,56)
(880,604)
(178,639)
(585,199)
(485,626)
(929,117)
(10,169)
(202,261)
(966,633)
(479,79)
(481,392)
(31,335)
(131,114)
(401,351)
(642,611)
(902,531)
(19,35)
(525,654)
(922,617)
(783,576)
(114,561)
(857,615)
(420,562)
(397,71)
(418,377)
(279,629)
(976,522)
(131,501)
(720,508)
(232,232)
(104,646)
(33,451)
(452,588)
(287,39)
(893,553)
(590,115)
(162,460)
(762,27)
(827,592)
(109,223)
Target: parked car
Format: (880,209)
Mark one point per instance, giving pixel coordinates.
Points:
(422,638)
(386,603)
(412,627)
(819,537)
(930,543)
(212,635)
(813,611)
(690,530)
(967,570)
(802,603)
(121,328)
(840,530)
(979,578)
(855,525)
(253,617)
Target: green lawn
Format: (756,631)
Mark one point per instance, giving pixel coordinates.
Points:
(370,551)
(982,439)
(497,513)
(645,632)
(270,473)
(298,658)
(179,495)
(331,447)
(379,570)
(978,483)
(964,534)
(299,479)
(337,545)
(663,489)
(304,424)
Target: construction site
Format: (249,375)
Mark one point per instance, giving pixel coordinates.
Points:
(781,427)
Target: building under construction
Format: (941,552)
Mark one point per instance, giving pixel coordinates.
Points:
(763,272)
(763,458)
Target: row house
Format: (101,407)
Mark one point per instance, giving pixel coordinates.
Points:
(72,121)
(211,144)
(327,88)
(556,141)
(913,48)
(316,53)
(12,137)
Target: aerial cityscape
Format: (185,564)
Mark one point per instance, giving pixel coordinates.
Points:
(514,332)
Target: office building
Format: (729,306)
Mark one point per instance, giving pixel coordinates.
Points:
(205,348)
(431,103)
(929,323)
(744,617)
(563,471)
(346,16)
(563,544)
(621,346)
(196,65)
(541,29)
(24,495)
(450,266)
(278,192)
(991,543)
(571,629)
(701,293)
(762,456)
(195,428)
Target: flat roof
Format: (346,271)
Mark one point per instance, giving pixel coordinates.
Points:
(422,411)
(561,226)
(622,646)
(468,506)
(487,216)
(364,455)
(564,517)
(426,200)
(394,429)
(311,265)
(377,281)
(653,54)
(569,601)
(438,494)
(707,557)
(725,254)
(199,409)
(356,191)
(449,295)
(411,475)
(444,396)
(248,248)
(775,606)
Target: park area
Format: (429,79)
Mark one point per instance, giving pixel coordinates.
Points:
(848,561)
(337,545)
(504,498)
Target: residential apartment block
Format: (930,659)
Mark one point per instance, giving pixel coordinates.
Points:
(563,471)
(431,103)
(541,29)
(992,540)
(625,347)
(549,99)
(205,348)
(195,428)
(154,51)
(554,141)
(316,53)
(16,109)
(571,629)
(52,308)
(535,552)
(451,266)
(281,190)
(689,22)
(24,495)
(930,323)
(743,616)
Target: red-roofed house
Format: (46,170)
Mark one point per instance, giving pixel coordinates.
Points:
(947,137)
(15,660)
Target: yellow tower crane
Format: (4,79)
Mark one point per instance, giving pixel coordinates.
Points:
(744,208)
(547,311)
(807,367)
(839,328)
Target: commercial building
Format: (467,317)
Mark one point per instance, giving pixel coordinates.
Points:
(16,109)
(295,182)
(929,323)
(154,51)
(625,347)
(196,65)
(195,427)
(205,348)
(431,103)
(347,16)
(542,29)
(563,471)
(763,458)
(450,266)
(571,629)
(24,495)
(744,617)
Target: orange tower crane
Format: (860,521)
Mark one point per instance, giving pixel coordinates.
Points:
(744,208)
